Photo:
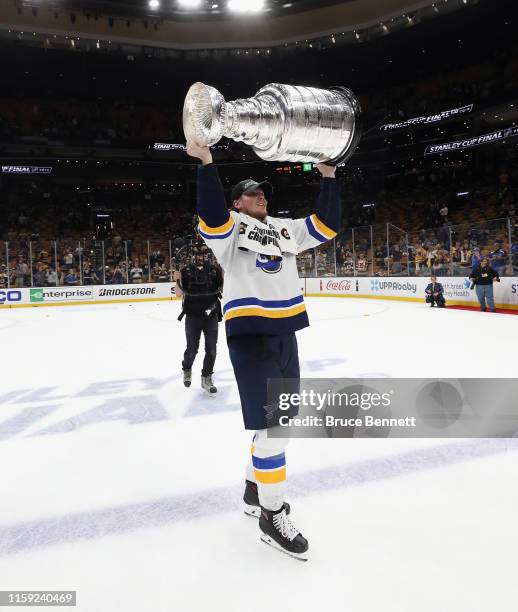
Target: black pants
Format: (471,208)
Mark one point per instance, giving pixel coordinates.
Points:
(259,361)
(194,325)
(436,299)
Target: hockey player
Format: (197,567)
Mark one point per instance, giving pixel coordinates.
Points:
(263,308)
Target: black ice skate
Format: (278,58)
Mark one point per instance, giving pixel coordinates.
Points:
(187,377)
(279,532)
(208,385)
(251,500)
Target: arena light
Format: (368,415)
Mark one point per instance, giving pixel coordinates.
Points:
(246,6)
(189,4)
(154,4)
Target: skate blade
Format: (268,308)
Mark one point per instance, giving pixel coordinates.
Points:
(249,510)
(271,542)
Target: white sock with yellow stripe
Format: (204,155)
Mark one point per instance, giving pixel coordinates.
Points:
(268,467)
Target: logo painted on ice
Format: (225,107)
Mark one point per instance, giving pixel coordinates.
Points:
(269,263)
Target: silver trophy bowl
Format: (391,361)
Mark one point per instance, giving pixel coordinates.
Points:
(281,122)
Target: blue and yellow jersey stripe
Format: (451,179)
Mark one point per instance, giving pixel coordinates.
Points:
(216,233)
(319,230)
(272,309)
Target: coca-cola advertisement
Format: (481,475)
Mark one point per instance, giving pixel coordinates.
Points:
(336,285)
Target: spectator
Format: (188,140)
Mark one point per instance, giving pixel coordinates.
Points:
(40,276)
(163,275)
(68,259)
(21,272)
(483,277)
(475,259)
(396,259)
(52,278)
(118,277)
(136,274)
(362,265)
(70,278)
(420,258)
(3,276)
(498,258)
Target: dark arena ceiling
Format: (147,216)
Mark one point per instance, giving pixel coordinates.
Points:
(215,24)
(174,10)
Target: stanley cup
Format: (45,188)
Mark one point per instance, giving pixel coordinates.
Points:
(281,122)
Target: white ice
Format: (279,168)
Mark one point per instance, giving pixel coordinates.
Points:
(122,485)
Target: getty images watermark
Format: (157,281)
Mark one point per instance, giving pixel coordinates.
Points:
(389,407)
(324,401)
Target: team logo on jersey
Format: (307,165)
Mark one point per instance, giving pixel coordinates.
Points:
(242,228)
(284,233)
(269,263)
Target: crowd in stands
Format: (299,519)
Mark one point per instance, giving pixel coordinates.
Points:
(131,123)
(427,215)
(80,122)
(419,225)
(492,82)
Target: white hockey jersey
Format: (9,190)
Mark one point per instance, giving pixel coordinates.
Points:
(261,290)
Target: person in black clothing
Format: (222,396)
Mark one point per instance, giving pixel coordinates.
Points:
(483,277)
(201,284)
(434,293)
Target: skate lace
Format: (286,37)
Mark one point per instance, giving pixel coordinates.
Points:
(283,524)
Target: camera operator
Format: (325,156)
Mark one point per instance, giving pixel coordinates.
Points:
(200,283)
(434,293)
(483,277)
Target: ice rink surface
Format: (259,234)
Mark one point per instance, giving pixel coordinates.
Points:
(119,483)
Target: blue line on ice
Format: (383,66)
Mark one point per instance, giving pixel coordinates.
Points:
(176,508)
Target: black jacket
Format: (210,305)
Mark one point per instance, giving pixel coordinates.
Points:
(484,276)
(202,289)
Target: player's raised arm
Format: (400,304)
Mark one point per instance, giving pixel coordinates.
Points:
(325,222)
(216,225)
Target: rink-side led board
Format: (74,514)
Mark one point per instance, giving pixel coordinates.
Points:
(457,291)
(91,294)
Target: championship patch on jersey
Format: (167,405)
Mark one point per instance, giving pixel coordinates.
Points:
(269,263)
